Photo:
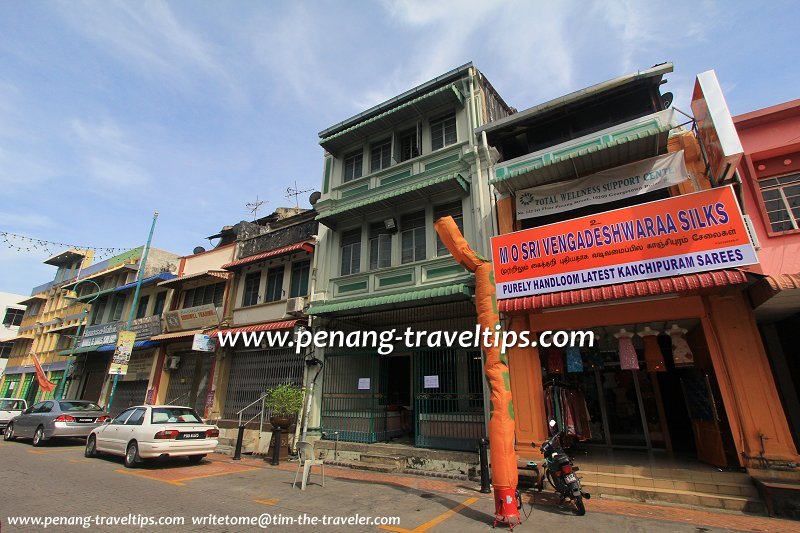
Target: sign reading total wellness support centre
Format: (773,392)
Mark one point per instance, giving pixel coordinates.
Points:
(680,235)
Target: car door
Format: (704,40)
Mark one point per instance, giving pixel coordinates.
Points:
(108,437)
(132,427)
(23,426)
(44,417)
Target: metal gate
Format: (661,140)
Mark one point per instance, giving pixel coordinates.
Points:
(354,398)
(448,399)
(128,393)
(188,385)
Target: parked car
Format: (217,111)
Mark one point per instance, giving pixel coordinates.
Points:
(150,431)
(56,418)
(9,408)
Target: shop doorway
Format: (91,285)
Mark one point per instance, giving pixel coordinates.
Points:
(399,392)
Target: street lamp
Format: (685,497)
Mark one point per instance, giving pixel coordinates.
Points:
(60,389)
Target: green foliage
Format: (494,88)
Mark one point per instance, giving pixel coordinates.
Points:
(284,400)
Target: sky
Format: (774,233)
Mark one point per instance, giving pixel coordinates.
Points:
(110,110)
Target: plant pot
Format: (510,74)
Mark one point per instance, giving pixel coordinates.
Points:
(282,422)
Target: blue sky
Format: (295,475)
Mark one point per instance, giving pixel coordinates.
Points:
(112,110)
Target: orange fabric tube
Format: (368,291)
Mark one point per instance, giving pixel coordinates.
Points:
(501,419)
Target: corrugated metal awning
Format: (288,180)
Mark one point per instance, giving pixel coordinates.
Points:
(421,190)
(176,335)
(163,276)
(633,289)
(136,345)
(199,278)
(32,299)
(372,303)
(265,326)
(306,246)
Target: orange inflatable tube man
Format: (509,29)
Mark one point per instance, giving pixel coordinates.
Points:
(501,418)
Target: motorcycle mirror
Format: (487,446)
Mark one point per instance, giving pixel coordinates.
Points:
(552,423)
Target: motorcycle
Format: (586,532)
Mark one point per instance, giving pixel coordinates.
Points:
(560,472)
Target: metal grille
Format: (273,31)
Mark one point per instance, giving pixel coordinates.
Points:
(188,385)
(128,393)
(449,411)
(357,414)
(255,371)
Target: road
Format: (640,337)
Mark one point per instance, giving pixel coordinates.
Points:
(57,483)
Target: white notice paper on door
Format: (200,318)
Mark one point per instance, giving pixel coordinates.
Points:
(363,383)
(431,382)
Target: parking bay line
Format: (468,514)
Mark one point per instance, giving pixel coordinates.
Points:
(434,522)
(273,501)
(180,482)
(40,452)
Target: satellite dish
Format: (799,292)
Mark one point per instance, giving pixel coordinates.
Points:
(198,250)
(314,198)
(666,99)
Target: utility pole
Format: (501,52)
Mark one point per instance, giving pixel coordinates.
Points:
(135,303)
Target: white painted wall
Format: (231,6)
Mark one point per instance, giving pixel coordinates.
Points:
(9,299)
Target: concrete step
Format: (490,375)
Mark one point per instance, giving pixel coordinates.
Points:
(398,462)
(709,485)
(224,449)
(359,465)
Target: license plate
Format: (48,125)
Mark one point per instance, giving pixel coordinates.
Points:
(85,420)
(192,435)
(569,478)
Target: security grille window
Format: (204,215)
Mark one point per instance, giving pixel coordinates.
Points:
(412,237)
(13,317)
(380,246)
(380,155)
(98,310)
(443,131)
(117,303)
(409,146)
(299,285)
(782,201)
(141,309)
(207,294)
(454,210)
(274,284)
(5,350)
(353,165)
(351,252)
(252,282)
(161,299)
(34,308)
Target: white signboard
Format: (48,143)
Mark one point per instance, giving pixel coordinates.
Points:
(363,383)
(603,187)
(203,343)
(431,382)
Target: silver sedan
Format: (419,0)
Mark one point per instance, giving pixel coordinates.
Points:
(56,418)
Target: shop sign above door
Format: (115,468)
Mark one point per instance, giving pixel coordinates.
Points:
(607,186)
(201,316)
(689,233)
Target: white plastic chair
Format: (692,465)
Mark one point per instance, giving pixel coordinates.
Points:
(305,452)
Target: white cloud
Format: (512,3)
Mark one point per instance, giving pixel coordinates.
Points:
(11,221)
(108,153)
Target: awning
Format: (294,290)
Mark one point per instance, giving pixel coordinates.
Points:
(401,299)
(448,94)
(33,299)
(633,289)
(776,297)
(24,335)
(94,295)
(266,326)
(415,192)
(47,367)
(136,345)
(305,246)
(612,147)
(67,256)
(196,279)
(109,270)
(176,335)
(164,276)
(80,349)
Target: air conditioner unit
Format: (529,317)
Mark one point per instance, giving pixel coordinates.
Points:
(751,232)
(295,306)
(172,363)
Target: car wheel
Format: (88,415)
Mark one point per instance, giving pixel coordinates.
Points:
(38,436)
(194,459)
(8,434)
(132,455)
(91,447)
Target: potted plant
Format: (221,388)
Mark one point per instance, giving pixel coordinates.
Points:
(283,402)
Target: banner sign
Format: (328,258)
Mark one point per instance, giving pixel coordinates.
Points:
(203,343)
(200,316)
(606,186)
(715,127)
(147,327)
(689,233)
(101,334)
(122,353)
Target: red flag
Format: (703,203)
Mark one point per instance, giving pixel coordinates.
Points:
(44,383)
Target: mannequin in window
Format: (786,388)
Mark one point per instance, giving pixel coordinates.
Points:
(628,360)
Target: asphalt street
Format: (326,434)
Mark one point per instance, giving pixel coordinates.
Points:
(56,481)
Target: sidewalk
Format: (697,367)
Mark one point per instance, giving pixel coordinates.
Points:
(679,514)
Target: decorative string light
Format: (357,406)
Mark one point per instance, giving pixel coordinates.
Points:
(24,244)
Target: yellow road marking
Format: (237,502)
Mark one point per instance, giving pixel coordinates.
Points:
(180,481)
(273,501)
(39,452)
(436,521)
(143,476)
(216,474)
(79,460)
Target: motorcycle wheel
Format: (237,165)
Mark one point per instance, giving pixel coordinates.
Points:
(580,509)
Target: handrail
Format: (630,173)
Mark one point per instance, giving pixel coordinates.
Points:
(251,404)
(178,398)
(260,413)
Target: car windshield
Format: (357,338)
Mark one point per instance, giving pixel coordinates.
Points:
(11,405)
(71,407)
(174,415)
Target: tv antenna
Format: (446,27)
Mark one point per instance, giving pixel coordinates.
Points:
(294,191)
(253,207)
